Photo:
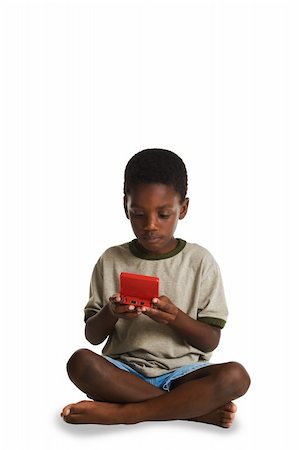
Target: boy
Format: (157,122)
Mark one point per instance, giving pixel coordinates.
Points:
(155,364)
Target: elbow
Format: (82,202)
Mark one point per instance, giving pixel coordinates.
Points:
(210,348)
(213,341)
(94,340)
(205,347)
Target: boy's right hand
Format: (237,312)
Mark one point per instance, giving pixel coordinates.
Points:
(122,311)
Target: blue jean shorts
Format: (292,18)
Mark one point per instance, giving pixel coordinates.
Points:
(163,381)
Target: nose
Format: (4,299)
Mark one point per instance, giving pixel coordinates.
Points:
(150,223)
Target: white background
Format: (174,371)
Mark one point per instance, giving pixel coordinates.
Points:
(83,86)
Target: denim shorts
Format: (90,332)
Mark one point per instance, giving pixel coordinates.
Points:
(162,381)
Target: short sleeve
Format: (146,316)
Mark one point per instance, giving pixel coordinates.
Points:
(213,309)
(95,302)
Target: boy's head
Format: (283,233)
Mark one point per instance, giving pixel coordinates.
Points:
(156,165)
(155,190)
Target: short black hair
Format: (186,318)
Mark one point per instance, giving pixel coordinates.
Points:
(156,165)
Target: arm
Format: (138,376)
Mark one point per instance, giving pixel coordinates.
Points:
(198,334)
(99,326)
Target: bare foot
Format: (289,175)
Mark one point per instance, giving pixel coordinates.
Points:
(114,413)
(94,412)
(222,417)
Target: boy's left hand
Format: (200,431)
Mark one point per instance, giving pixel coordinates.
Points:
(163,310)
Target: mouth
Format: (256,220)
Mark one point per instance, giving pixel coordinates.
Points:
(151,239)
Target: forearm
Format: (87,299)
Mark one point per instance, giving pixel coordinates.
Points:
(198,334)
(99,326)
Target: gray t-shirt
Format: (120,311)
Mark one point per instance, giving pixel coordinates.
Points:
(189,276)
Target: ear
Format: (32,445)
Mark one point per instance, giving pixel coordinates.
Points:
(126,206)
(184,208)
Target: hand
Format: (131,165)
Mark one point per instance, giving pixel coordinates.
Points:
(163,310)
(122,311)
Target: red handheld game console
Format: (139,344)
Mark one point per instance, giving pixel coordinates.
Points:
(138,290)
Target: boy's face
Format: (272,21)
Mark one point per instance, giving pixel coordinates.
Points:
(154,210)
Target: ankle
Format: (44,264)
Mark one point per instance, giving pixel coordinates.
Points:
(133,413)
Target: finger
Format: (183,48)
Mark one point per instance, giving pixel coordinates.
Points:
(158,315)
(123,309)
(115,298)
(168,307)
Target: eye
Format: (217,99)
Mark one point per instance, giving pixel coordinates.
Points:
(164,216)
(137,213)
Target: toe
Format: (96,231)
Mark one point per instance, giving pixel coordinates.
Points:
(227,419)
(228,413)
(74,418)
(66,410)
(226,424)
(231,407)
(74,412)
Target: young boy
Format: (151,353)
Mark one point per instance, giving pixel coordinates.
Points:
(155,364)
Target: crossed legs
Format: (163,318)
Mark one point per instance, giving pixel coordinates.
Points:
(119,397)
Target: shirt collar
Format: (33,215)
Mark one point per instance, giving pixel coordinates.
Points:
(139,252)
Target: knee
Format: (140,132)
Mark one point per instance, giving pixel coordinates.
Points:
(237,379)
(77,364)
